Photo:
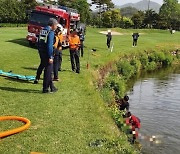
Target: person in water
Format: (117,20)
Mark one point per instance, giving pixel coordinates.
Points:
(134,123)
(123,104)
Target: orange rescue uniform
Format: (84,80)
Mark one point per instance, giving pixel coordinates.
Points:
(74,42)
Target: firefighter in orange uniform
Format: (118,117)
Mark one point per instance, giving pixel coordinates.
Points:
(74,45)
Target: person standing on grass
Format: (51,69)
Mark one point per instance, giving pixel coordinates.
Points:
(135,39)
(45,47)
(82,38)
(74,44)
(57,52)
(109,38)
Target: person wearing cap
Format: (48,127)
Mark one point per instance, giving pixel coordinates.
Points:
(74,44)
(109,38)
(57,51)
(45,48)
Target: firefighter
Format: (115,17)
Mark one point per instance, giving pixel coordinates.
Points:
(74,44)
(45,47)
(134,123)
(123,103)
(109,38)
(135,39)
(82,38)
(57,52)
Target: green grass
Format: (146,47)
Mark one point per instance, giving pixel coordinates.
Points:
(67,121)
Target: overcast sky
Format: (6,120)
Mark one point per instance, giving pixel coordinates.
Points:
(121,2)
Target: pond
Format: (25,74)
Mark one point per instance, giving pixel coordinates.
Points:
(155,99)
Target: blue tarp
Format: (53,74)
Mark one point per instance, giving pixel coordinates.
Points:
(17,76)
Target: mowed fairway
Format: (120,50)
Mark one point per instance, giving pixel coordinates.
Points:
(67,121)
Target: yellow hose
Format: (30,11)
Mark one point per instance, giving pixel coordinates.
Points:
(16,130)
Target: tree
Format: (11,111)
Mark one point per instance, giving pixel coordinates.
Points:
(107,19)
(83,8)
(126,22)
(15,11)
(115,17)
(29,4)
(67,3)
(95,20)
(151,19)
(170,13)
(138,19)
(102,6)
(12,11)
(111,18)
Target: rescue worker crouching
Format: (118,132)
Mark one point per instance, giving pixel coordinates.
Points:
(134,123)
(123,103)
(45,47)
(57,52)
(74,44)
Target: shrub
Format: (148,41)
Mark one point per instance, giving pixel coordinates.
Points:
(157,57)
(125,69)
(107,95)
(144,61)
(137,65)
(178,56)
(151,66)
(168,60)
(117,85)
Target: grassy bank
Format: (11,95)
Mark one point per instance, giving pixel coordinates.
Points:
(122,74)
(68,121)
(122,71)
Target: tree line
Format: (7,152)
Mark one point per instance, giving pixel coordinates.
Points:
(16,11)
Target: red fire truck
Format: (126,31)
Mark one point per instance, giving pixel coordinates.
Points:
(67,17)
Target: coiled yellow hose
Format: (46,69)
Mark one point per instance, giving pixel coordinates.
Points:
(16,130)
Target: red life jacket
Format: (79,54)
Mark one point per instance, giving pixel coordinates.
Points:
(134,122)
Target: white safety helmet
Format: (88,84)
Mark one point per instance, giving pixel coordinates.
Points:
(60,27)
(109,31)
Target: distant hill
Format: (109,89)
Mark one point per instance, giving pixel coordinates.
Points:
(142,5)
(128,11)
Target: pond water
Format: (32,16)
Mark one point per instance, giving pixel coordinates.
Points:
(155,99)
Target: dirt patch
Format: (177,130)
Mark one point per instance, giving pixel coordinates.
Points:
(113,33)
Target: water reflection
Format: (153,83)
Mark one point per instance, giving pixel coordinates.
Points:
(155,99)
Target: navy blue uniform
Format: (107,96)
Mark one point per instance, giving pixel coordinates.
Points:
(45,47)
(82,38)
